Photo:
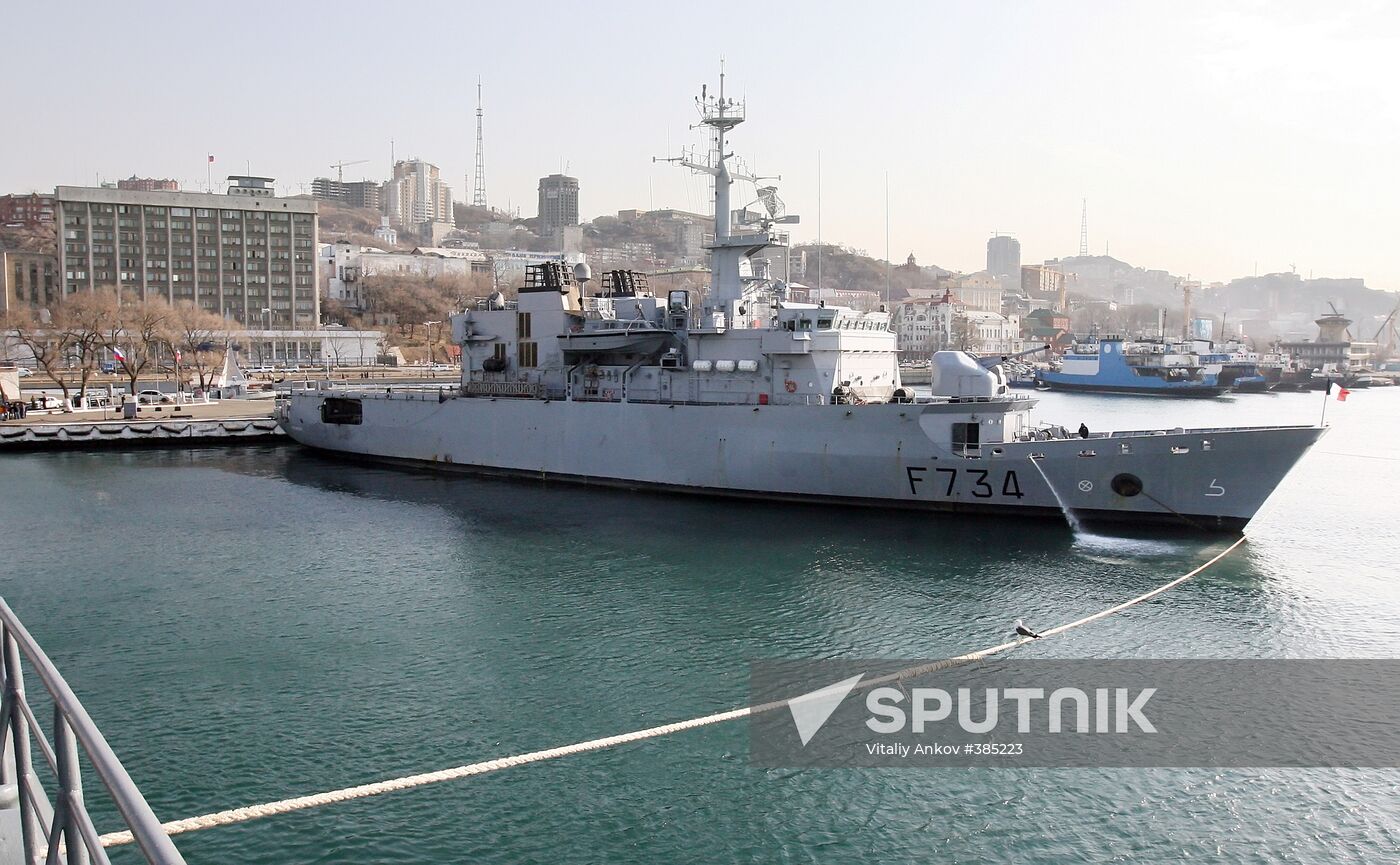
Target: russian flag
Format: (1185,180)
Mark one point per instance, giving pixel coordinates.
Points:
(118,354)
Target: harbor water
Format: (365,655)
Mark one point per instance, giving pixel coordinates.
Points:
(247,624)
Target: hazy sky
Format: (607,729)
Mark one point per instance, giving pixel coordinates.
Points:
(1206,136)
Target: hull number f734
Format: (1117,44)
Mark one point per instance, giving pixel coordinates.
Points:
(949,482)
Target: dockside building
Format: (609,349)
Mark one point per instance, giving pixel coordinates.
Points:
(247,255)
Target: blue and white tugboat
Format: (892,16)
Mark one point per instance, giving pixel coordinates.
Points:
(1112,364)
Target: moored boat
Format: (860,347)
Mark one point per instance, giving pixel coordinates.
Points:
(1114,365)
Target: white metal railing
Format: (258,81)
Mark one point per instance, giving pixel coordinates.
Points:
(503,388)
(69,836)
(798,399)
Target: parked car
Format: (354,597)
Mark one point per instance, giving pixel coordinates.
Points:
(153,397)
(109,367)
(25,371)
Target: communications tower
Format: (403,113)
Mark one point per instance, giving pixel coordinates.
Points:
(1084,227)
(479,187)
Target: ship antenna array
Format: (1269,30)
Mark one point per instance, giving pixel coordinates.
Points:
(246,814)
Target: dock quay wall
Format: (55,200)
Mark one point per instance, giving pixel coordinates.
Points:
(168,432)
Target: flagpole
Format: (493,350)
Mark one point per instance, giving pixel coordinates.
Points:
(1326,395)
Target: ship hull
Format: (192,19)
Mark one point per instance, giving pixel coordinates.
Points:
(874,456)
(1200,391)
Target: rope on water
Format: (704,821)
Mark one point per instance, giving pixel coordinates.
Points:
(407,782)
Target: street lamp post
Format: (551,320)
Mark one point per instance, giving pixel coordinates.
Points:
(267,327)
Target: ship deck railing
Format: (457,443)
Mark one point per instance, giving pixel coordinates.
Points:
(45,825)
(533,390)
(1216,430)
(1057,433)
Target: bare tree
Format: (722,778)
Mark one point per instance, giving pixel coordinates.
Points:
(437,331)
(411,300)
(335,348)
(965,336)
(87,317)
(196,334)
(137,335)
(49,344)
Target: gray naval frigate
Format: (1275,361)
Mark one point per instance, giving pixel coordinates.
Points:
(748,393)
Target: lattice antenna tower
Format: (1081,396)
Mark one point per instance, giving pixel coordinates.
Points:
(1084,227)
(479,187)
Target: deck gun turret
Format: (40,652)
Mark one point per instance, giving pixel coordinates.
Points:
(991,361)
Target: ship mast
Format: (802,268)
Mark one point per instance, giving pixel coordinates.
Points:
(720,114)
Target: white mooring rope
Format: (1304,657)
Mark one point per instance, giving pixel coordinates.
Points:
(315,800)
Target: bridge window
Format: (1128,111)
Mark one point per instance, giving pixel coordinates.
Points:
(966,436)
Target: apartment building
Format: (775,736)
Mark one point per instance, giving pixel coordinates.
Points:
(247,255)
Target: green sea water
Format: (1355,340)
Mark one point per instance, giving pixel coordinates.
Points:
(248,624)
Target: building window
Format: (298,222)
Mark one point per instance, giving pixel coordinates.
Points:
(527,354)
(522,326)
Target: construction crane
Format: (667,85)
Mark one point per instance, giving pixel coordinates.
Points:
(1388,328)
(340,168)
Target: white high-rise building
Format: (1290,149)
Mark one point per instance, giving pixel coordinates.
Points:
(417,194)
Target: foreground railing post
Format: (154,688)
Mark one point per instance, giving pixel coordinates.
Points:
(70,787)
(145,828)
(19,729)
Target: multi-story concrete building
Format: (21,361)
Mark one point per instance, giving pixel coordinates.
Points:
(558,202)
(980,291)
(508,265)
(148,184)
(924,325)
(358,193)
(30,210)
(27,279)
(417,194)
(247,255)
(993,333)
(1043,283)
(345,266)
(1004,256)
